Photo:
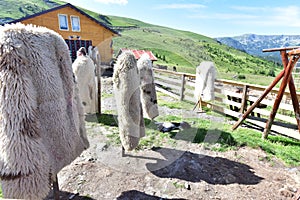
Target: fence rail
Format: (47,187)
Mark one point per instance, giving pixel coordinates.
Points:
(232,98)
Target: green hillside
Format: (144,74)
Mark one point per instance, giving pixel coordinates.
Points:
(182,49)
(186,50)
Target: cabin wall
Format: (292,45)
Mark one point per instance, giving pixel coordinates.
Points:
(89,30)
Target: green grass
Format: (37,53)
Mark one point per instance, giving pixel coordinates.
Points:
(15,9)
(220,137)
(216,136)
(0,191)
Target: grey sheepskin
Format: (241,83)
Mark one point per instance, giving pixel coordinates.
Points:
(126,84)
(42,121)
(205,81)
(84,71)
(148,92)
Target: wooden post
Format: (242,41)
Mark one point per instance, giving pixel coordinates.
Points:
(292,90)
(182,87)
(285,80)
(99,88)
(55,189)
(244,99)
(267,90)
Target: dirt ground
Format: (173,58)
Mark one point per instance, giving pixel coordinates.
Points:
(183,171)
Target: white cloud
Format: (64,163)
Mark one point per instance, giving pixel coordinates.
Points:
(121,2)
(180,6)
(224,16)
(250,8)
(257,16)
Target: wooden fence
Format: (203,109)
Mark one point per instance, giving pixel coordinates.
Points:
(232,99)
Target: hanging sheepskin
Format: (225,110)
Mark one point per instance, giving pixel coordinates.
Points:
(126,84)
(205,79)
(84,71)
(95,56)
(41,119)
(148,92)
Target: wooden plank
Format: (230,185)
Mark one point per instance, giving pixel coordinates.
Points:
(165,78)
(189,92)
(174,73)
(191,84)
(167,92)
(189,98)
(283,105)
(168,85)
(279,129)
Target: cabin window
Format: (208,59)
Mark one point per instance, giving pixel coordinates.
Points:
(75,23)
(63,22)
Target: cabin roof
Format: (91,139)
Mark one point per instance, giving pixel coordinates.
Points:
(138,53)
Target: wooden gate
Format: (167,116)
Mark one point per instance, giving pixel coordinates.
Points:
(74,45)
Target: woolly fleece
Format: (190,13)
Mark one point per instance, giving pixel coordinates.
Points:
(84,71)
(126,84)
(205,81)
(41,119)
(148,92)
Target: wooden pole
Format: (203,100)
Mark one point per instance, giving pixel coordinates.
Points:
(285,80)
(55,189)
(99,88)
(244,99)
(267,90)
(292,90)
(182,87)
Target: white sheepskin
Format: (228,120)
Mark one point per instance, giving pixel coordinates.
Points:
(126,84)
(84,71)
(148,92)
(41,118)
(205,81)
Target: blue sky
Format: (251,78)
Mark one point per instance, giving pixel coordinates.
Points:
(213,18)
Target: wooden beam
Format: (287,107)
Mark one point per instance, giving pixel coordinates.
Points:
(244,116)
(280,49)
(244,99)
(285,80)
(292,90)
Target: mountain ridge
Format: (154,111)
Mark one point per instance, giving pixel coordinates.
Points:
(254,44)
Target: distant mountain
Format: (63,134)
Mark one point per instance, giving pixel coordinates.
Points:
(254,44)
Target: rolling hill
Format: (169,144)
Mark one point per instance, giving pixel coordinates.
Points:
(172,47)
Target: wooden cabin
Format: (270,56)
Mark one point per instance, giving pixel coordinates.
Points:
(77,28)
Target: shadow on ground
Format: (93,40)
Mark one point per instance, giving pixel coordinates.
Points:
(137,195)
(106,119)
(67,195)
(197,167)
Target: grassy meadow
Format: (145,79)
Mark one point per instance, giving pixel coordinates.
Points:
(216,136)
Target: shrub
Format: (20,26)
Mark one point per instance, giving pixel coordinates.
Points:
(241,76)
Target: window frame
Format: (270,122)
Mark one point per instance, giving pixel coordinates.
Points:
(79,26)
(59,22)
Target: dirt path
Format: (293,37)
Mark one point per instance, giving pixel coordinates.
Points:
(183,171)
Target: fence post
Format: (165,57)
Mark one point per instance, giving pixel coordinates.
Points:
(182,87)
(244,99)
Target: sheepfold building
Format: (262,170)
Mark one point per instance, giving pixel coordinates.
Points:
(77,28)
